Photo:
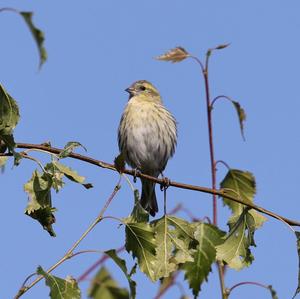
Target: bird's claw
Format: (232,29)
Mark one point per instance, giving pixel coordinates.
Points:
(136,172)
(165,184)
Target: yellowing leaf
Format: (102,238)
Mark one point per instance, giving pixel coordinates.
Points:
(72,174)
(61,288)
(39,205)
(174,55)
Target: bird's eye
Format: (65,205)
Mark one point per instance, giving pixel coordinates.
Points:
(142,87)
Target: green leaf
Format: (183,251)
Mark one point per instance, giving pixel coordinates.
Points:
(235,250)
(173,237)
(174,55)
(39,206)
(37,34)
(241,115)
(122,264)
(9,112)
(138,214)
(104,286)
(298,250)
(72,174)
(208,237)
(68,149)
(223,46)
(60,288)
(241,184)
(9,117)
(140,241)
(3,146)
(220,47)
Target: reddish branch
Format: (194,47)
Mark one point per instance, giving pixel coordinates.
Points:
(220,192)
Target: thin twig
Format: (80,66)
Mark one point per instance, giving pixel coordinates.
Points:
(70,253)
(220,192)
(84,276)
(9,9)
(220,97)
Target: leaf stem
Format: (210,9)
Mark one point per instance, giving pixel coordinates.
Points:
(83,276)
(220,97)
(70,253)
(245,283)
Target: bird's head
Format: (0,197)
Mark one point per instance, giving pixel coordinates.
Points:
(143,88)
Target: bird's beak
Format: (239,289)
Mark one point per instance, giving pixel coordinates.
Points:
(129,90)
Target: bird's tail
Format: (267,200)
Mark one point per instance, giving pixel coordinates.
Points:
(148,198)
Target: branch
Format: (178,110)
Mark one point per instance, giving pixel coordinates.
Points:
(70,253)
(220,192)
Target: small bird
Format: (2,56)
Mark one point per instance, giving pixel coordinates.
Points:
(147,137)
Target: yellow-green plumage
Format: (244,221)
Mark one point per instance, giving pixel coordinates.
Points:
(147,136)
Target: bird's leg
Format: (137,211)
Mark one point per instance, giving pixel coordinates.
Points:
(136,172)
(166,183)
(163,187)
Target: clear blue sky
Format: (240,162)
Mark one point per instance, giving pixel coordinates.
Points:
(98,48)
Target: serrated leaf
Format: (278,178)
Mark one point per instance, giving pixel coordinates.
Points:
(104,286)
(173,237)
(235,251)
(9,117)
(39,206)
(72,174)
(37,34)
(241,184)
(57,176)
(174,55)
(138,214)
(238,183)
(273,292)
(9,112)
(119,163)
(140,241)
(298,250)
(122,264)
(208,237)
(69,148)
(60,288)
(164,264)
(241,115)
